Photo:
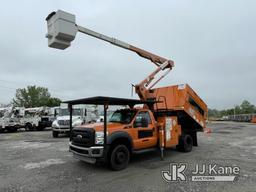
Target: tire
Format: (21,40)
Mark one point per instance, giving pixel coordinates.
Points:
(119,157)
(29,127)
(185,143)
(12,129)
(55,134)
(40,128)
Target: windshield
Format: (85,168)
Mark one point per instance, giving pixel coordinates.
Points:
(75,112)
(122,116)
(30,114)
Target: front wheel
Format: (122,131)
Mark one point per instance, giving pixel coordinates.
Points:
(185,143)
(55,134)
(119,157)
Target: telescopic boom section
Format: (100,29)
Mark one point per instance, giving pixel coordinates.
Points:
(145,54)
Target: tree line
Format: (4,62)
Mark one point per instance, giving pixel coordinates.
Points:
(244,108)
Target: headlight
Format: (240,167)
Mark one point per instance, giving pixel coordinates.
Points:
(76,123)
(55,124)
(99,138)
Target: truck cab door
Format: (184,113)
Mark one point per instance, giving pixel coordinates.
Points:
(144,131)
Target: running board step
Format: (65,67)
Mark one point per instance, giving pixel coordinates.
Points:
(145,150)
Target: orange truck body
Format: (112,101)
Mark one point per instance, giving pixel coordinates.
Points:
(177,113)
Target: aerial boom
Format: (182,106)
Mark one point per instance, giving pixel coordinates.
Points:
(62,29)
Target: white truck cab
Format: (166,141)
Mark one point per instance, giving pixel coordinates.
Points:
(81,114)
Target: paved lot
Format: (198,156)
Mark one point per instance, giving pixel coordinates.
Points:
(34,161)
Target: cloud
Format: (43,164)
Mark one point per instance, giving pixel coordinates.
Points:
(212,44)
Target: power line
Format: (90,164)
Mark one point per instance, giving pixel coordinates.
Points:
(7,87)
(12,88)
(7,81)
(13,82)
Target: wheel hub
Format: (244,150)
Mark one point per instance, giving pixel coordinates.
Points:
(120,157)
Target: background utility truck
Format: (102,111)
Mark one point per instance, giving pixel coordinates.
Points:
(170,116)
(37,118)
(80,115)
(10,119)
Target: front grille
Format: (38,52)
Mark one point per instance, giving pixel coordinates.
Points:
(44,119)
(63,122)
(84,137)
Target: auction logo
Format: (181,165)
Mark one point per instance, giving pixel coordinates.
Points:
(175,173)
(204,172)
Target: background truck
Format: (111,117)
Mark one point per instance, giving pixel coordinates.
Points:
(80,114)
(170,116)
(37,118)
(10,119)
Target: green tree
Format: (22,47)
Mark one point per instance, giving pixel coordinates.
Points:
(247,107)
(33,96)
(213,113)
(238,110)
(53,101)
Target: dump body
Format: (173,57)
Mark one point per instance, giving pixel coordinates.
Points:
(180,101)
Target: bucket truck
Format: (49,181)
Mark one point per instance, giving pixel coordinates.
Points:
(170,116)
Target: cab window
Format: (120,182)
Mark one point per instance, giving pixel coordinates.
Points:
(143,114)
(122,116)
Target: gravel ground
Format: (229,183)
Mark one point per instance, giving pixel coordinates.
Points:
(34,161)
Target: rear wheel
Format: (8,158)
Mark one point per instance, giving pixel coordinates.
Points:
(12,129)
(29,127)
(185,143)
(119,157)
(55,134)
(40,128)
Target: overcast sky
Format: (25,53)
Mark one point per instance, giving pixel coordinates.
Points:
(213,44)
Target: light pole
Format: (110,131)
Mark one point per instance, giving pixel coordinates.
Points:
(234,112)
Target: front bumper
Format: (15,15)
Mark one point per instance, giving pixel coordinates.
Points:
(87,154)
(45,123)
(61,129)
(10,126)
